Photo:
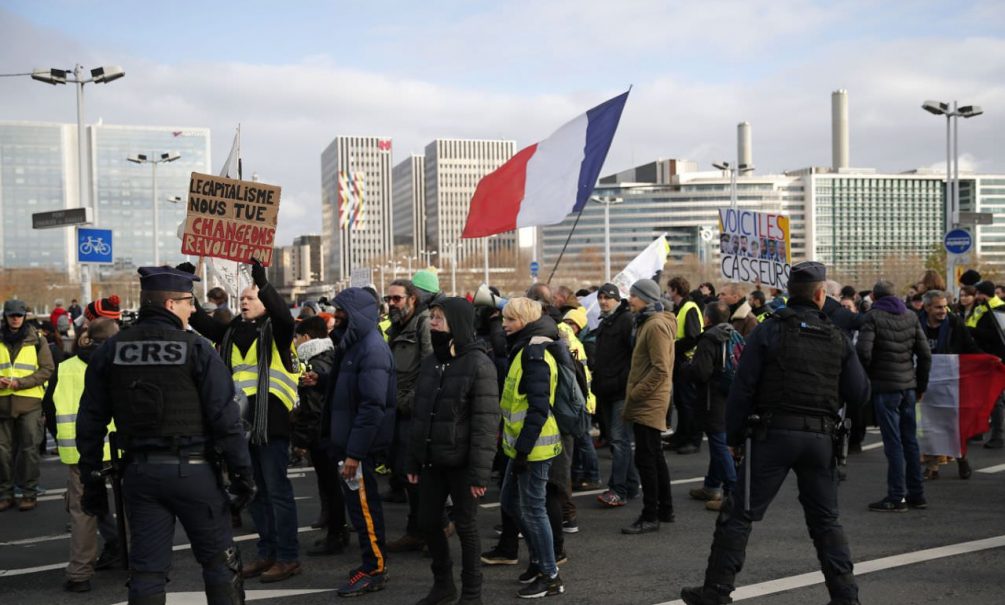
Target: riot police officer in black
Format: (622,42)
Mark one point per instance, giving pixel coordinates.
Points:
(172,400)
(795,371)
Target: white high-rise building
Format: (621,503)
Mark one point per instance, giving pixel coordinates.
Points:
(453,169)
(356,169)
(409,183)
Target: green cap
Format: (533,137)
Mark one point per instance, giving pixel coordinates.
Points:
(426,281)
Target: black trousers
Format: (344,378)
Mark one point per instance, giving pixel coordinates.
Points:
(653,472)
(330,492)
(689,426)
(810,455)
(435,484)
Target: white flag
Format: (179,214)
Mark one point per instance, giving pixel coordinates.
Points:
(644,266)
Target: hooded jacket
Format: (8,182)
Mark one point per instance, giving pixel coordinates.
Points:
(705,364)
(361,392)
(650,378)
(456,413)
(890,341)
(613,354)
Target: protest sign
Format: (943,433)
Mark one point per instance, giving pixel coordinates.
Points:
(230,219)
(754,247)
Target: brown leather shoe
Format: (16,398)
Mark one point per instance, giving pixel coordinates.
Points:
(6,503)
(256,568)
(406,543)
(27,504)
(280,571)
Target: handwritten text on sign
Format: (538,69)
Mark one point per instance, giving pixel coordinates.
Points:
(230,219)
(754,247)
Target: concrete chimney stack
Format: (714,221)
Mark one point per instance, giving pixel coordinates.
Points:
(839,129)
(744,146)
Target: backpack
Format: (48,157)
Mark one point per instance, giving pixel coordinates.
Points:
(731,350)
(569,408)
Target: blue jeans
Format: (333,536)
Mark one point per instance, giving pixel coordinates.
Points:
(585,466)
(624,476)
(721,468)
(273,508)
(895,413)
(523,498)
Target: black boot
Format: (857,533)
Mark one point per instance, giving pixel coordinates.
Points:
(443,592)
(704,595)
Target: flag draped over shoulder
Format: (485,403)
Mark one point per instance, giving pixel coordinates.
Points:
(962,389)
(543,183)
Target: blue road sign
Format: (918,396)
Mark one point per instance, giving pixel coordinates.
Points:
(958,241)
(534,268)
(94,245)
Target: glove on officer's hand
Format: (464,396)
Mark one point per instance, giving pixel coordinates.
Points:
(520,463)
(94,500)
(242,489)
(187,267)
(258,273)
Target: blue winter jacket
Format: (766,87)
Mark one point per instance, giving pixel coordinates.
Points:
(361,392)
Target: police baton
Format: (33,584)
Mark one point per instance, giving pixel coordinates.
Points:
(120,513)
(752,421)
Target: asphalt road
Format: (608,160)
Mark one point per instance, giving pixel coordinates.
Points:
(953,552)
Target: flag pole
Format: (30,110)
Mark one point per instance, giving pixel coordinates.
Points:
(564,246)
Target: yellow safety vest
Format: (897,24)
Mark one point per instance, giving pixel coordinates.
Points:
(514,410)
(681,316)
(579,355)
(25,365)
(979,311)
(69,390)
(385,327)
(282,383)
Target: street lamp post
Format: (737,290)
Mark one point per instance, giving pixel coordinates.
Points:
(99,75)
(952,166)
(740,169)
(607,201)
(163,158)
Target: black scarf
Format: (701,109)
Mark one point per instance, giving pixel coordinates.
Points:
(12,337)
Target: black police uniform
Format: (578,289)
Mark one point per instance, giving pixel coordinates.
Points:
(172,400)
(796,369)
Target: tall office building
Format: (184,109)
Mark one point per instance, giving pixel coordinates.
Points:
(39,172)
(409,182)
(356,204)
(453,169)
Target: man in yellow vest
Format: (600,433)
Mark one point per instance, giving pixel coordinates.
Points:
(65,389)
(257,347)
(687,433)
(25,365)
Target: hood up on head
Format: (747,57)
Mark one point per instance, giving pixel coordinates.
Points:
(361,309)
(460,316)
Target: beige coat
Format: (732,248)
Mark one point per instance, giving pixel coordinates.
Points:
(12,406)
(650,377)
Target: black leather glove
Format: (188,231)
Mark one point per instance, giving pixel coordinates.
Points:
(258,273)
(94,500)
(187,267)
(520,464)
(242,489)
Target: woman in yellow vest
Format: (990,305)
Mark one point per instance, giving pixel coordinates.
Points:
(530,438)
(65,389)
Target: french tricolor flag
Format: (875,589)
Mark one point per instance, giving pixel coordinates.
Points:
(962,389)
(543,183)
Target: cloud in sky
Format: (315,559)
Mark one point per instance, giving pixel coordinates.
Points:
(518,70)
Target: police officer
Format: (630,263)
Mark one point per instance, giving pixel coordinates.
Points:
(796,369)
(173,403)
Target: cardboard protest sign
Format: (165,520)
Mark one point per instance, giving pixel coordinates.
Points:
(230,219)
(754,247)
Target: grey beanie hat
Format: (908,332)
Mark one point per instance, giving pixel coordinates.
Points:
(647,290)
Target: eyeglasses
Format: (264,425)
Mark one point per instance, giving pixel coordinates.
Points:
(394,298)
(15,315)
(188,298)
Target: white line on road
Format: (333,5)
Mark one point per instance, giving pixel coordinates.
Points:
(992,469)
(872,446)
(865,567)
(25,541)
(594,492)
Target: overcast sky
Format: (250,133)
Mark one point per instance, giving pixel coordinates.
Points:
(296,74)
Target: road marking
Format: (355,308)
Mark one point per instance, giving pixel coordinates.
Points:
(594,492)
(992,469)
(197,598)
(25,541)
(872,446)
(865,567)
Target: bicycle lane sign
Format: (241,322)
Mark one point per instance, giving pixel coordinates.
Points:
(94,245)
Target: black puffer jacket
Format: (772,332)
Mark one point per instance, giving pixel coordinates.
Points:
(889,341)
(610,363)
(305,419)
(703,372)
(456,412)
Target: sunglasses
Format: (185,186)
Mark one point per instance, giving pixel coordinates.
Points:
(395,298)
(15,315)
